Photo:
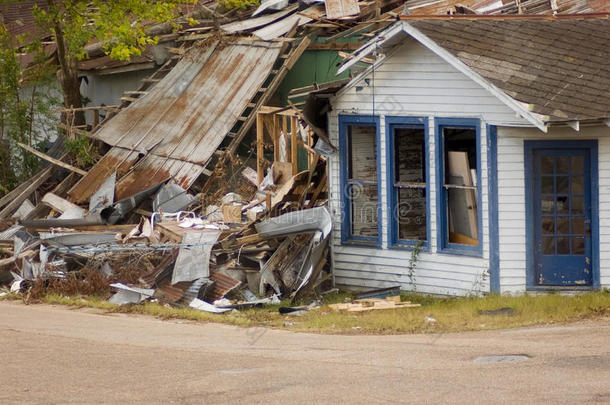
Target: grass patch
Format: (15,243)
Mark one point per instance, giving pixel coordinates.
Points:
(449,314)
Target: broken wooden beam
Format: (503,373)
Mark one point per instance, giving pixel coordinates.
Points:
(54,161)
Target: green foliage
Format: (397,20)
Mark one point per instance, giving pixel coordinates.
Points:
(26,98)
(83,150)
(119,24)
(239,4)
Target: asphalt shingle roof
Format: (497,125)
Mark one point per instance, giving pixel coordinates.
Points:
(560,68)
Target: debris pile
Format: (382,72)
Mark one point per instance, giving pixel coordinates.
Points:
(166,244)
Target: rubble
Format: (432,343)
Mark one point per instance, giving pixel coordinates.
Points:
(247,247)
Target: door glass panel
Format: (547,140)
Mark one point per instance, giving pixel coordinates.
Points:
(578,165)
(562,184)
(578,225)
(563,163)
(547,205)
(563,246)
(548,246)
(547,165)
(563,225)
(578,205)
(578,246)
(548,225)
(547,184)
(578,185)
(562,205)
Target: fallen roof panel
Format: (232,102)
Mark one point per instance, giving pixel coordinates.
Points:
(184,118)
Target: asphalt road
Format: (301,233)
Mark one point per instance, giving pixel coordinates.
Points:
(57,355)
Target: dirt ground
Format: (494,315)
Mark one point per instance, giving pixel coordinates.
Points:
(59,355)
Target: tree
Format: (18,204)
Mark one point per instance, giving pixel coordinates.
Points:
(26,103)
(118,24)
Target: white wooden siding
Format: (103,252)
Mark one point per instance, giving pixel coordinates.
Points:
(414,82)
(511,199)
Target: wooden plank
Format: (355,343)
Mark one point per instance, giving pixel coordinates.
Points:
(316,193)
(259,148)
(54,161)
(59,204)
(18,190)
(335,46)
(463,207)
(27,191)
(294,143)
(341,8)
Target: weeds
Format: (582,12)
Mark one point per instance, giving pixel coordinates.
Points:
(451,314)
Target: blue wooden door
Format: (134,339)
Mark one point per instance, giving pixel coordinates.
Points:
(562,215)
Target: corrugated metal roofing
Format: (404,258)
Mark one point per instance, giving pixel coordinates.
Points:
(222,285)
(184,118)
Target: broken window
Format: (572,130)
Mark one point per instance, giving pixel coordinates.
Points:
(409,209)
(460,188)
(361,181)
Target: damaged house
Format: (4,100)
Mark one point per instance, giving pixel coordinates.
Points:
(474,156)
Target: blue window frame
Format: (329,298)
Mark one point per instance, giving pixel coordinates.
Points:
(408,181)
(359,140)
(459,221)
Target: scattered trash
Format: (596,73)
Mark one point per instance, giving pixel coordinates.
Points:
(205,306)
(429,319)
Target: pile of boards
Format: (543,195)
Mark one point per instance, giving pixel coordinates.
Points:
(370,304)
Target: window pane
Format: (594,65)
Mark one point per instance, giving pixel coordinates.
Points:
(409,149)
(562,205)
(578,246)
(362,167)
(461,169)
(578,185)
(562,184)
(578,205)
(547,165)
(411,214)
(563,246)
(547,184)
(563,225)
(548,246)
(410,178)
(548,225)
(362,146)
(547,205)
(562,164)
(578,165)
(363,210)
(578,225)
